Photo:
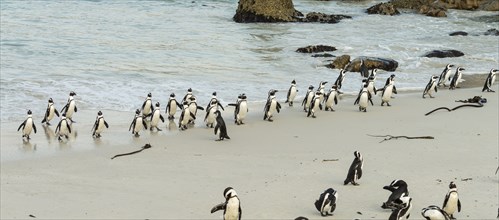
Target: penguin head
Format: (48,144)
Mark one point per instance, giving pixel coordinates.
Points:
(494,71)
(373,71)
(434,77)
(149,95)
(460,69)
(398,183)
(218,113)
(357,155)
(63,115)
(293,82)
(157,104)
(214,94)
(272,92)
(192,99)
(72,93)
(243,96)
(185,103)
(318,93)
(334,87)
(322,84)
(51,101)
(229,192)
(99,113)
(189,90)
(449,66)
(392,76)
(213,102)
(172,95)
(311,87)
(137,111)
(452,185)
(343,71)
(29,112)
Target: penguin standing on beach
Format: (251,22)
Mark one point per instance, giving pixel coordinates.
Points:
(147,107)
(291,93)
(155,117)
(491,78)
(434,212)
(355,171)
(271,106)
(28,125)
(371,88)
(241,109)
(321,91)
(315,105)
(171,107)
(99,125)
(308,98)
(63,128)
(138,123)
(403,208)
(456,79)
(185,117)
(451,201)
(70,108)
(331,98)
(339,81)
(50,112)
(398,189)
(388,90)
(231,206)
(214,100)
(432,85)
(363,99)
(193,108)
(221,126)
(445,75)
(210,117)
(326,204)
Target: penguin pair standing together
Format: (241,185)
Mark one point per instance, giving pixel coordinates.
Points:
(231,206)
(398,189)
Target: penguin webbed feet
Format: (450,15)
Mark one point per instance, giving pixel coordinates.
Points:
(218,207)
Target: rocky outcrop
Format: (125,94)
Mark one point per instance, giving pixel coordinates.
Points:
(315,49)
(458,33)
(487,5)
(426,7)
(340,62)
(444,53)
(493,32)
(489,32)
(372,63)
(383,9)
(323,18)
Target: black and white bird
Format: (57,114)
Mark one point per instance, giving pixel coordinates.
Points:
(241,109)
(331,98)
(210,117)
(292,91)
(363,99)
(434,212)
(456,79)
(138,123)
(186,116)
(50,112)
(215,100)
(70,108)
(451,201)
(489,81)
(231,206)
(315,105)
(147,106)
(371,88)
(193,108)
(156,117)
(326,204)
(364,71)
(322,85)
(308,98)
(388,90)
(445,75)
(398,189)
(271,106)
(99,125)
(187,97)
(355,171)
(28,125)
(339,80)
(221,126)
(63,128)
(172,106)
(430,87)
(403,207)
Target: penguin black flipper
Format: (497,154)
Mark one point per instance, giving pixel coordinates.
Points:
(278,107)
(76,109)
(207,113)
(47,115)
(357,100)
(221,106)
(145,124)
(370,98)
(458,205)
(394,89)
(335,100)
(34,127)
(266,109)
(58,127)
(232,104)
(200,108)
(105,123)
(219,207)
(94,126)
(193,116)
(69,127)
(161,117)
(64,109)
(240,211)
(131,125)
(22,125)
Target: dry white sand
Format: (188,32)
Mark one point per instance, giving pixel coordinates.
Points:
(276,168)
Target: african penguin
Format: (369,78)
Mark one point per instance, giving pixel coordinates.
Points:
(432,85)
(491,78)
(70,108)
(155,117)
(271,106)
(28,125)
(187,96)
(373,74)
(315,105)
(241,109)
(326,204)
(456,79)
(138,123)
(355,171)
(331,98)
(398,189)
(185,117)
(363,99)
(388,90)
(221,126)
(231,206)
(321,90)
(308,98)
(403,208)
(63,128)
(99,125)
(371,88)
(171,107)
(451,201)
(147,106)
(434,212)
(216,101)
(210,117)
(445,75)
(193,108)
(50,112)
(291,93)
(339,81)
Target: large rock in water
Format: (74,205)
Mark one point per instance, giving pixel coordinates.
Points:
(266,11)
(444,53)
(373,62)
(340,62)
(315,49)
(383,9)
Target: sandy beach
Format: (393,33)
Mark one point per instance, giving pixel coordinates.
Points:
(278,169)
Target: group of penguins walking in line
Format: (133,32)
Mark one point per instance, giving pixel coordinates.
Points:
(150,115)
(398,202)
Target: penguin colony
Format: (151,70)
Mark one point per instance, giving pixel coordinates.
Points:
(149,116)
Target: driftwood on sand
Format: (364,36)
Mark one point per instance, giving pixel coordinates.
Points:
(389,137)
(133,152)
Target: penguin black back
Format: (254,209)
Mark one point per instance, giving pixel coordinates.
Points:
(221,126)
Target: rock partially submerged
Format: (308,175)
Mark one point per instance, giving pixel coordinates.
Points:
(493,32)
(340,62)
(458,33)
(322,18)
(383,9)
(315,49)
(444,53)
(373,63)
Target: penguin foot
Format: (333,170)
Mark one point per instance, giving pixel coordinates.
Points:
(270,120)
(432,96)
(388,104)
(313,116)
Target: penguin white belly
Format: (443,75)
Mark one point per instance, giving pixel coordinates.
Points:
(173,108)
(432,88)
(309,100)
(138,124)
(292,94)
(193,109)
(147,108)
(434,215)
(272,108)
(370,88)
(363,100)
(28,127)
(232,209)
(187,117)
(330,100)
(63,130)
(407,212)
(243,110)
(155,118)
(387,94)
(211,116)
(70,109)
(51,113)
(100,126)
(315,108)
(451,205)
(493,80)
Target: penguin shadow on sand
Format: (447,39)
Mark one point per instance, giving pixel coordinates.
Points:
(28,146)
(172,126)
(49,133)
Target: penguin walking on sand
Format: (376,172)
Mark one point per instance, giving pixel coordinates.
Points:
(210,117)
(28,125)
(185,117)
(388,90)
(451,201)
(221,126)
(371,88)
(171,107)
(155,117)
(321,90)
(331,98)
(241,109)
(70,108)
(339,81)
(308,98)
(271,106)
(99,125)
(398,189)
(231,206)
(63,128)
(291,93)
(50,112)
(363,99)
(445,75)
(456,79)
(403,208)
(138,123)
(434,212)
(326,204)
(193,108)
(216,101)
(315,105)
(147,106)
(355,171)
(432,85)
(491,78)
